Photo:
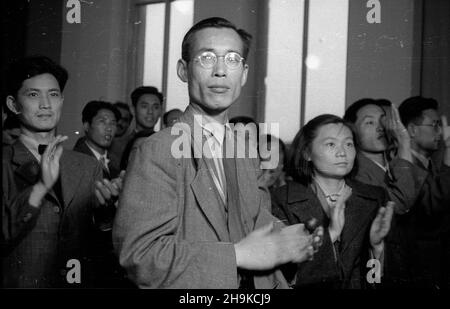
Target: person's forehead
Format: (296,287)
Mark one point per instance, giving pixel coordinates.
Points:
(370,110)
(431,113)
(148,98)
(105,113)
(333,130)
(216,39)
(41,81)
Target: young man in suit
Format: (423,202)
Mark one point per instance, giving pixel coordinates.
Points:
(200,220)
(147,104)
(100,124)
(122,134)
(49,202)
(374,123)
(429,220)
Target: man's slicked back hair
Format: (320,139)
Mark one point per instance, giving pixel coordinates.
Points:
(28,67)
(411,109)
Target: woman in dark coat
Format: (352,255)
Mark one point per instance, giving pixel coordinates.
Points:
(352,213)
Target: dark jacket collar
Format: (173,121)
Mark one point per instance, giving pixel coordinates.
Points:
(297,192)
(360,207)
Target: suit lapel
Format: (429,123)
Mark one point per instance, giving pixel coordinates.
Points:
(202,186)
(304,204)
(28,168)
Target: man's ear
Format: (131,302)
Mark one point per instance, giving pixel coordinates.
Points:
(244,75)
(182,70)
(86,126)
(411,129)
(12,104)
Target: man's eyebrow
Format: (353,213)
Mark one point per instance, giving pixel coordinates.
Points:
(367,116)
(38,89)
(215,51)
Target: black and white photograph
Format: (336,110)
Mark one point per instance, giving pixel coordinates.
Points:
(225,148)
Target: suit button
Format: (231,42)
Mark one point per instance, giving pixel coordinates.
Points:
(56,209)
(27,217)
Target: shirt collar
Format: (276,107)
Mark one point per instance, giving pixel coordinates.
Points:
(424,160)
(384,168)
(97,154)
(211,126)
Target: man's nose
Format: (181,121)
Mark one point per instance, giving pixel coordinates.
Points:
(219,68)
(44,102)
(380,127)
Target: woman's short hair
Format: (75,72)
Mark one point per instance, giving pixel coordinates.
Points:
(298,166)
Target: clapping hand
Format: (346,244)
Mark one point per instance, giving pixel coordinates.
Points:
(107,192)
(381,226)
(337,214)
(50,162)
(266,248)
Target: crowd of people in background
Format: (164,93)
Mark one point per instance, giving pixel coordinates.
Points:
(371,184)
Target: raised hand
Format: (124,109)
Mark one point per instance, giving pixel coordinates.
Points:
(265,248)
(394,125)
(337,214)
(381,226)
(397,134)
(50,162)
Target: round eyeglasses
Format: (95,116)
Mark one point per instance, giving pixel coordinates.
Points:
(208,60)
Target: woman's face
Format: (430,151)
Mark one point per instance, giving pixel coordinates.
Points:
(333,151)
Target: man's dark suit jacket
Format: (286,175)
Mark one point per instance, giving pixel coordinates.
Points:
(403,188)
(114,170)
(36,243)
(297,203)
(428,226)
(109,272)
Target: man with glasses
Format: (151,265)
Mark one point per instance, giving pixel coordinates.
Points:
(202,221)
(429,219)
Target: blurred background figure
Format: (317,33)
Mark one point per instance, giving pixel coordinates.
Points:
(100,124)
(125,118)
(147,104)
(272,165)
(429,220)
(171,117)
(373,122)
(123,135)
(10,128)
